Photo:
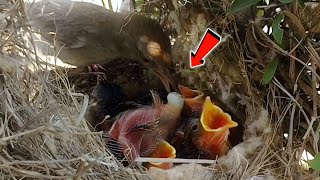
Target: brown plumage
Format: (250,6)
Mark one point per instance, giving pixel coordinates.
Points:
(85,34)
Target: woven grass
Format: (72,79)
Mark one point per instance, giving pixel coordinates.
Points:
(44,134)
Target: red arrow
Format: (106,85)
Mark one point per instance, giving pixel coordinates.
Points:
(209,41)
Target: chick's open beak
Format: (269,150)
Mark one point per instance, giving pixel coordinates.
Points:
(193,98)
(213,119)
(163,150)
(215,129)
(189,93)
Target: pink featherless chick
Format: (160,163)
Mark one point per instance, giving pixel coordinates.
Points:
(142,131)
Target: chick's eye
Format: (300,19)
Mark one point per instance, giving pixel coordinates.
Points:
(194,127)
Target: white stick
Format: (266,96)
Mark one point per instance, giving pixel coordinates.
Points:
(174,160)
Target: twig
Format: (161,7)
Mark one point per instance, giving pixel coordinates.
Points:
(3,140)
(175,160)
(277,83)
(290,133)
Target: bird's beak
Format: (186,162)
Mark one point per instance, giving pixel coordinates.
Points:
(192,98)
(167,79)
(215,128)
(189,93)
(213,119)
(163,150)
(160,58)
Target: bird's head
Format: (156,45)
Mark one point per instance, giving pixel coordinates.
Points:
(210,133)
(153,45)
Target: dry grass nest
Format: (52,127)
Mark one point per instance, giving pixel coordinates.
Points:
(44,134)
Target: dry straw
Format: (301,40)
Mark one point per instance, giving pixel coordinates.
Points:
(44,134)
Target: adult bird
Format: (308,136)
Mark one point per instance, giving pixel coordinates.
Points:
(86,34)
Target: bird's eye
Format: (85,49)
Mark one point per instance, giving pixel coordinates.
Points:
(194,127)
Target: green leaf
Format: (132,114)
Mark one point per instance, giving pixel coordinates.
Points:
(139,4)
(270,71)
(238,5)
(277,32)
(284,44)
(260,13)
(286,1)
(315,163)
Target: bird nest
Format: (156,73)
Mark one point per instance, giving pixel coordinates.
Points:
(44,133)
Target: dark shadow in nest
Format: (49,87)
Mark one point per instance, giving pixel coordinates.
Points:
(135,82)
(115,91)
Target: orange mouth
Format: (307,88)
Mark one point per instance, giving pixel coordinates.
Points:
(213,119)
(163,150)
(189,93)
(216,124)
(192,98)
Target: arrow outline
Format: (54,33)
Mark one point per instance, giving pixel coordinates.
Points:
(203,61)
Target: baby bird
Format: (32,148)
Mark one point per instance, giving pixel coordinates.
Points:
(107,101)
(163,150)
(140,131)
(86,34)
(193,103)
(204,129)
(210,133)
(193,100)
